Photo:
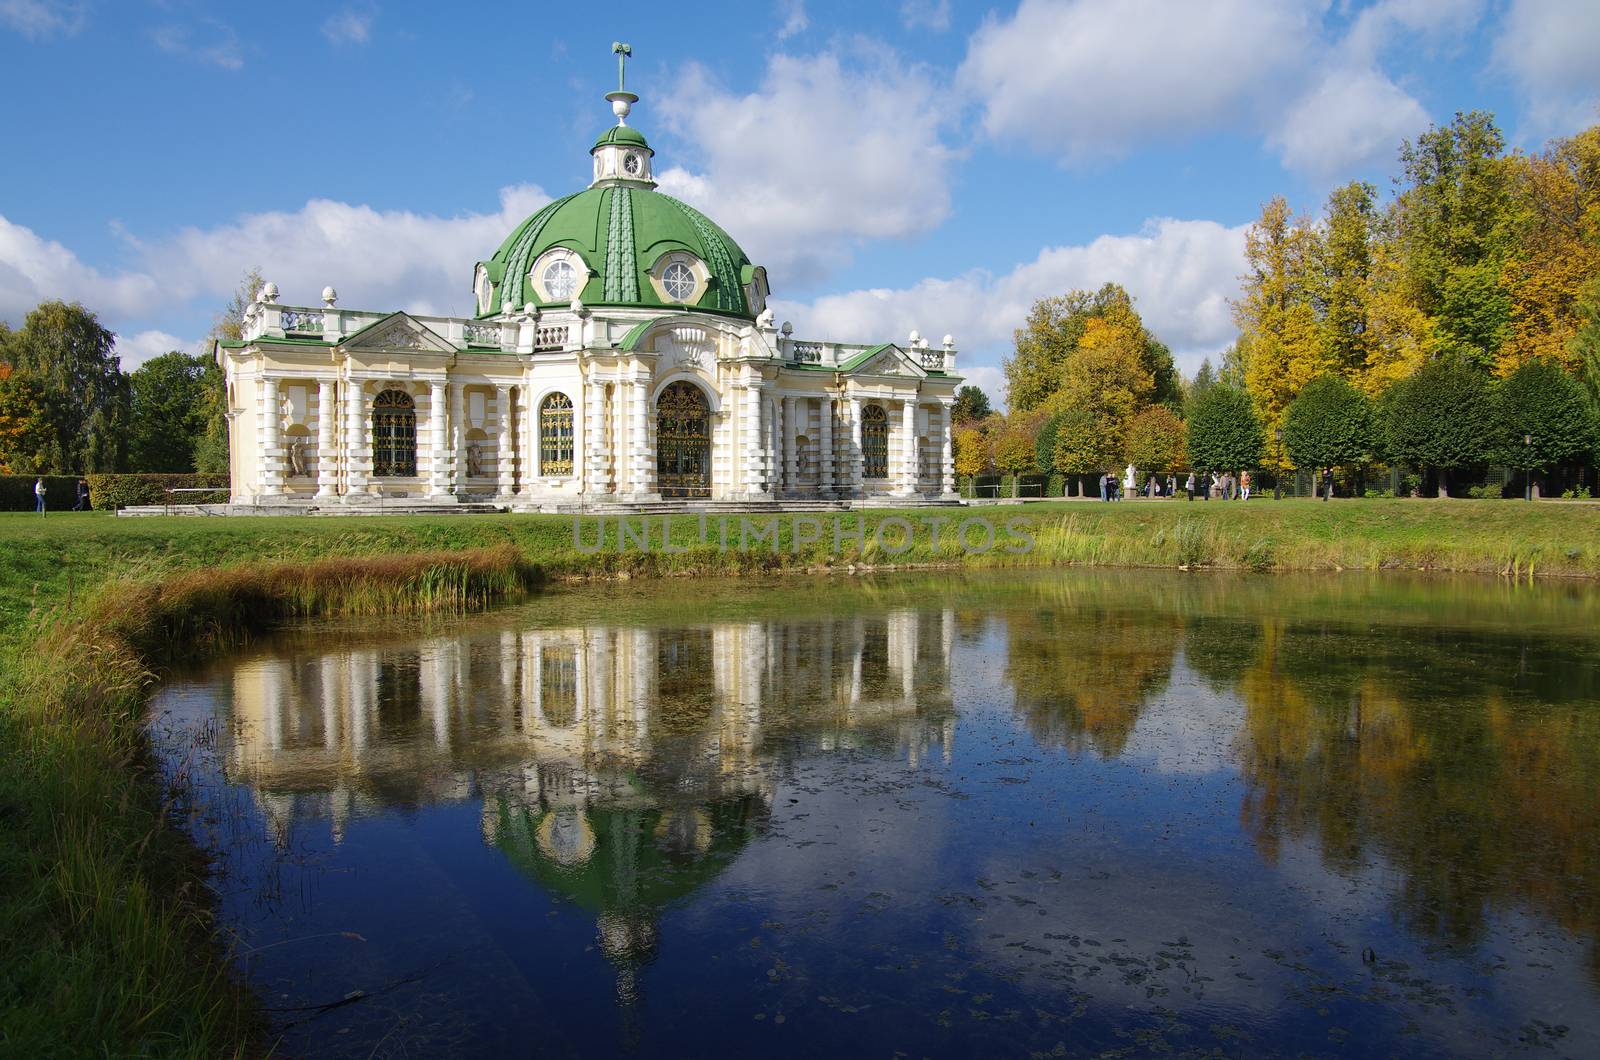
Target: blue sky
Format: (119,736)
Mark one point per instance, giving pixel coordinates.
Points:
(935,164)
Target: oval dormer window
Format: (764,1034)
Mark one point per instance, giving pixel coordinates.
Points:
(560,281)
(679,281)
(632,164)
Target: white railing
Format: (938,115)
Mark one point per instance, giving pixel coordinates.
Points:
(808,353)
(482,334)
(553,337)
(301,321)
(933,360)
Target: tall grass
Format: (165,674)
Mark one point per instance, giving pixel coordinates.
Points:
(106,928)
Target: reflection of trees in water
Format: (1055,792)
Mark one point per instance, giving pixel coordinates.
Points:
(1409,745)
(1081,675)
(1220,650)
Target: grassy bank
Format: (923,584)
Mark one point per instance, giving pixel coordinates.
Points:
(102,918)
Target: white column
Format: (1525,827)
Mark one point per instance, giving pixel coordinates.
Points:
(438,476)
(908,447)
(271,444)
(639,436)
(505,444)
(791,428)
(595,446)
(857,457)
(750,434)
(358,463)
(825,445)
(458,438)
(775,444)
(947,463)
(529,440)
(327,439)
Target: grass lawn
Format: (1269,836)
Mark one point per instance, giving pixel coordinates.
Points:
(103,920)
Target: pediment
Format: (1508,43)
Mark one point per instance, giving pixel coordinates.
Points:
(398,331)
(890,360)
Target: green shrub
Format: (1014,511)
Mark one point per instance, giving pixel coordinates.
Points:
(1487,492)
(16,492)
(110,492)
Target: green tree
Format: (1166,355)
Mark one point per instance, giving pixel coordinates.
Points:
(211,447)
(1451,221)
(1442,418)
(1344,288)
(1329,424)
(63,351)
(1013,445)
(1078,448)
(24,426)
(1204,379)
(1044,445)
(1052,336)
(972,405)
(1224,432)
(1156,440)
(1551,410)
(169,412)
(1586,342)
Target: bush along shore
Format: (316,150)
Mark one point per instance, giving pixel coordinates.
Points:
(103,909)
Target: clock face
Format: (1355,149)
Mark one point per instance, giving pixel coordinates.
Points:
(631,163)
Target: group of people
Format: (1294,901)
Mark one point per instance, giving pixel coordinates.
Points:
(40,497)
(1225,485)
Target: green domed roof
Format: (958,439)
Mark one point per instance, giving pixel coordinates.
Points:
(621,232)
(622,134)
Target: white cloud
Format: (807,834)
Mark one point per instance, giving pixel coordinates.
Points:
(830,150)
(349,26)
(37,19)
(794,18)
(1350,119)
(1181,274)
(1549,47)
(217,44)
(134,350)
(378,259)
(925,14)
(1389,24)
(33,270)
(1084,79)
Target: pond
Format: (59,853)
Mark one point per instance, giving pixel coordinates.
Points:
(946,815)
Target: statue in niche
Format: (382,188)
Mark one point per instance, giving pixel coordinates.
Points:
(474,460)
(297,459)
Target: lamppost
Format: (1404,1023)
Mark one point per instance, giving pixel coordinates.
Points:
(1277,478)
(1527,467)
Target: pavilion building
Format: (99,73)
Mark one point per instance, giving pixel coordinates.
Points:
(621,351)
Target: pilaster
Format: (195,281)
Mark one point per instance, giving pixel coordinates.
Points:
(791,428)
(327,439)
(908,448)
(358,457)
(825,445)
(857,457)
(458,438)
(505,443)
(438,475)
(271,443)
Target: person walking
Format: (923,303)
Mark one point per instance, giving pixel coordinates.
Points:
(1244,485)
(1103,493)
(83,496)
(1327,483)
(38,495)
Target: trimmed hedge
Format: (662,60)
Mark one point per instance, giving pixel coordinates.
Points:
(16,492)
(110,492)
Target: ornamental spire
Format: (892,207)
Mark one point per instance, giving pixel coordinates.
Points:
(622,100)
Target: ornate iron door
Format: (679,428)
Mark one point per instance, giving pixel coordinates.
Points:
(683,442)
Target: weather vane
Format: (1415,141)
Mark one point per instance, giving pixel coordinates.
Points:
(623,51)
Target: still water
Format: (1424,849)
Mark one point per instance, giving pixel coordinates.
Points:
(1065,812)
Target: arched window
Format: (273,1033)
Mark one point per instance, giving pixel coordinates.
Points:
(394,435)
(875,441)
(555,435)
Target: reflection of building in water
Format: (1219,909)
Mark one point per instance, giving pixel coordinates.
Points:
(619,767)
